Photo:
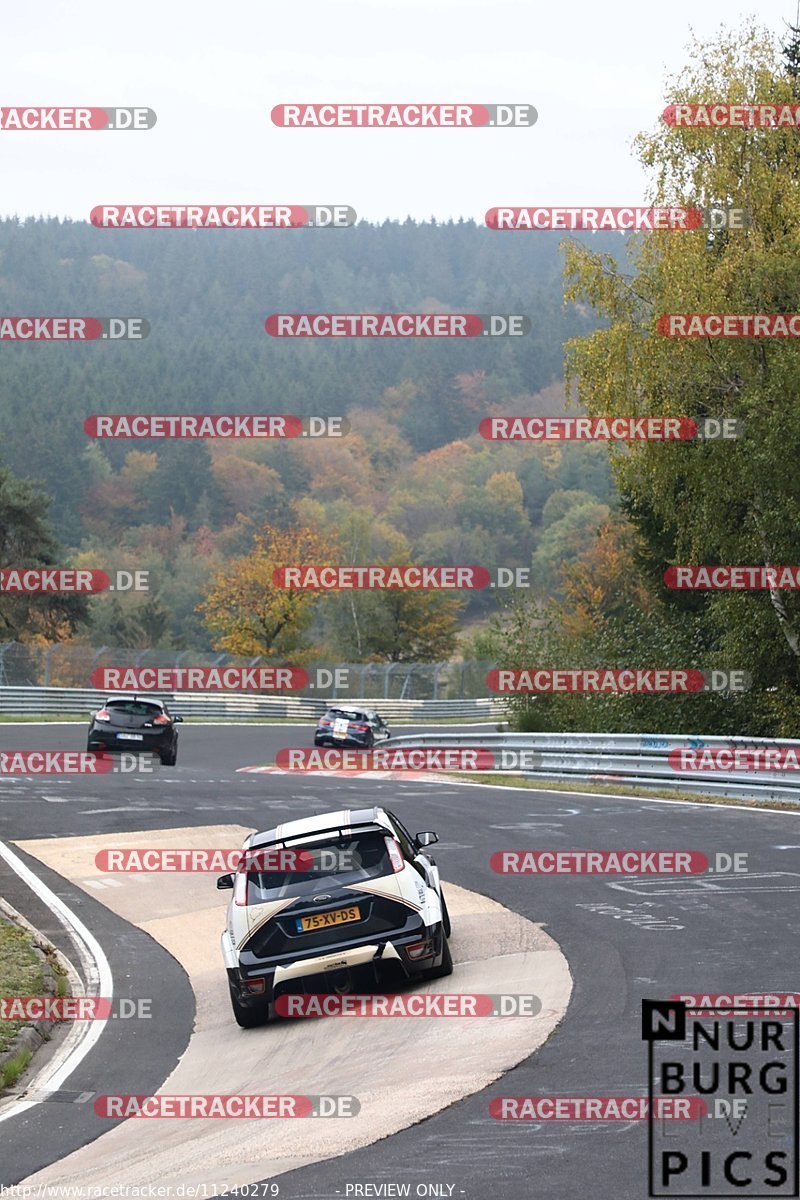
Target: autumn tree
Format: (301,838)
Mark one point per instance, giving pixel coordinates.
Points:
(407,625)
(711,501)
(244,610)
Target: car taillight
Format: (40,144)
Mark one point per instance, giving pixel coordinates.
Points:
(162,720)
(420,949)
(254,985)
(395,855)
(327,724)
(102,715)
(360,728)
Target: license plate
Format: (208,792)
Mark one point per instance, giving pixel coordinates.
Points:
(323,920)
(130,737)
(340,727)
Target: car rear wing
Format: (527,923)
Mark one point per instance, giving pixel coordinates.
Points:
(316,834)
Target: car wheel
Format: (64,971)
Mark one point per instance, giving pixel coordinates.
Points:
(446,966)
(251,1016)
(369,740)
(169,757)
(445,916)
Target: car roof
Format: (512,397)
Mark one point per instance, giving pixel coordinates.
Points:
(321,823)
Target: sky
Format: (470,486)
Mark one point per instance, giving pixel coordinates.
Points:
(595,72)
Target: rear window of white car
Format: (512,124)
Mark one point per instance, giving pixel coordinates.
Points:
(348,860)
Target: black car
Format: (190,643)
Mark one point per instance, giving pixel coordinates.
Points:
(350,727)
(135,723)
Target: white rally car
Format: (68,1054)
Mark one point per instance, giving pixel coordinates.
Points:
(368,894)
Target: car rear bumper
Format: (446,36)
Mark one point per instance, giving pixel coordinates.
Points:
(151,740)
(359,739)
(256,984)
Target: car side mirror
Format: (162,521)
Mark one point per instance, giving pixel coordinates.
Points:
(177,720)
(224,882)
(426,839)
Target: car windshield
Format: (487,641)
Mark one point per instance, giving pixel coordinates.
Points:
(349,713)
(350,859)
(134,708)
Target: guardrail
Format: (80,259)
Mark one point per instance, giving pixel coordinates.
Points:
(41,701)
(632,758)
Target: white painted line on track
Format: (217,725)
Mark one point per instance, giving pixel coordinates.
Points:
(99,982)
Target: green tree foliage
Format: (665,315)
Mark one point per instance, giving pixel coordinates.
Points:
(710,502)
(27,540)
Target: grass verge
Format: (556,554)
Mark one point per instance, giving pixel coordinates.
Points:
(602,789)
(20,973)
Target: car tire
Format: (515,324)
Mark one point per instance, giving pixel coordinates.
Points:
(169,757)
(250,1016)
(445,967)
(445,916)
(369,741)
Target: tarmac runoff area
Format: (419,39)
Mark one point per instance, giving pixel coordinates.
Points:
(376,1060)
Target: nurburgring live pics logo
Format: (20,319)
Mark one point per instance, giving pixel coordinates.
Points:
(408,116)
(643,681)
(608,429)
(73,329)
(222,216)
(213,425)
(733,578)
(397,325)
(76,119)
(731,116)
(621,220)
(729,325)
